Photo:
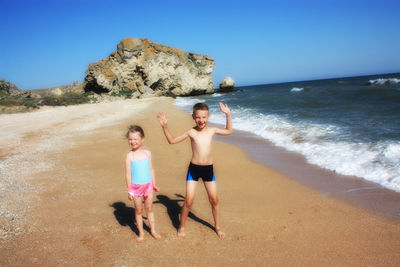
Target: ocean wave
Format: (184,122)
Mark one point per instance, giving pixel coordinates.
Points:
(321,144)
(382,81)
(392,152)
(379,163)
(216,95)
(185,102)
(297,89)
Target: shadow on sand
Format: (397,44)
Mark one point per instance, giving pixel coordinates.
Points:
(125,215)
(174,209)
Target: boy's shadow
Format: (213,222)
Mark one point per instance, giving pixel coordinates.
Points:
(126,216)
(174,209)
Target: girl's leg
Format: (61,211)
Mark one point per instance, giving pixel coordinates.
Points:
(190,192)
(138,216)
(148,205)
(211,188)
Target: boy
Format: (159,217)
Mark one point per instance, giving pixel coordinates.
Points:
(201,162)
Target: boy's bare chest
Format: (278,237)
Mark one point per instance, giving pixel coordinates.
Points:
(201,138)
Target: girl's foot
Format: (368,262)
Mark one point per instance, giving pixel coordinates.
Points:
(220,233)
(155,235)
(140,238)
(181,233)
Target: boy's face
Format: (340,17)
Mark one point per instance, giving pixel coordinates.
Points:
(201,118)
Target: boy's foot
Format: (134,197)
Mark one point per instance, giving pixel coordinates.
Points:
(181,233)
(155,235)
(140,238)
(220,233)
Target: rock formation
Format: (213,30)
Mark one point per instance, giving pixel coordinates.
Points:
(7,87)
(151,69)
(226,85)
(10,89)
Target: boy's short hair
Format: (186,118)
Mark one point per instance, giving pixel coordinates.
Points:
(200,106)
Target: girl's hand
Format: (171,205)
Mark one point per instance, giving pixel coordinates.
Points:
(130,197)
(224,108)
(156,188)
(162,118)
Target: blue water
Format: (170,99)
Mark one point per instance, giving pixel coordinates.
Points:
(348,125)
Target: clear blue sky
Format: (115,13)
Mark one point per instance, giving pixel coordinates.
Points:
(50,43)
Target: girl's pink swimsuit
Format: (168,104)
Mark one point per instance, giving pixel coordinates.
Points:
(141,180)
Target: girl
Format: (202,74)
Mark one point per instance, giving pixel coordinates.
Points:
(140,180)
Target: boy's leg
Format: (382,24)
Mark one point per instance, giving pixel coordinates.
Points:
(211,188)
(138,216)
(148,205)
(190,192)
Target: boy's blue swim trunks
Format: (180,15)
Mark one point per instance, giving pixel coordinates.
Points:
(206,172)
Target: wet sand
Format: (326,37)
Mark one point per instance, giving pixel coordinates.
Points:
(79,213)
(354,190)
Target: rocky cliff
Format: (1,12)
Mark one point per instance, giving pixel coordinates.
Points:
(10,89)
(148,68)
(7,87)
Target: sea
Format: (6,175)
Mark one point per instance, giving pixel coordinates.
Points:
(347,125)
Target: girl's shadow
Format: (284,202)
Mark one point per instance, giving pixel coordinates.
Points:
(174,209)
(126,216)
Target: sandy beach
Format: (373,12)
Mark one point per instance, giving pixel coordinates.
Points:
(63,200)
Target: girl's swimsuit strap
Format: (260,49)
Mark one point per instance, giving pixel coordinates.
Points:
(145,151)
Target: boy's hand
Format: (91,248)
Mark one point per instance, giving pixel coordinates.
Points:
(162,118)
(224,108)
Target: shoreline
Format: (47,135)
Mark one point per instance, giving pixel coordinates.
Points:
(354,190)
(81,215)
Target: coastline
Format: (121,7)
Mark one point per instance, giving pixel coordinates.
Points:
(81,215)
(354,190)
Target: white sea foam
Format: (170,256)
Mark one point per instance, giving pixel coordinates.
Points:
(319,143)
(216,95)
(382,81)
(187,103)
(392,152)
(297,89)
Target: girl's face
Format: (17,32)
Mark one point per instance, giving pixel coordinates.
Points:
(135,140)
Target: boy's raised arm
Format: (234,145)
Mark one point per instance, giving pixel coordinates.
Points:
(162,118)
(228,128)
